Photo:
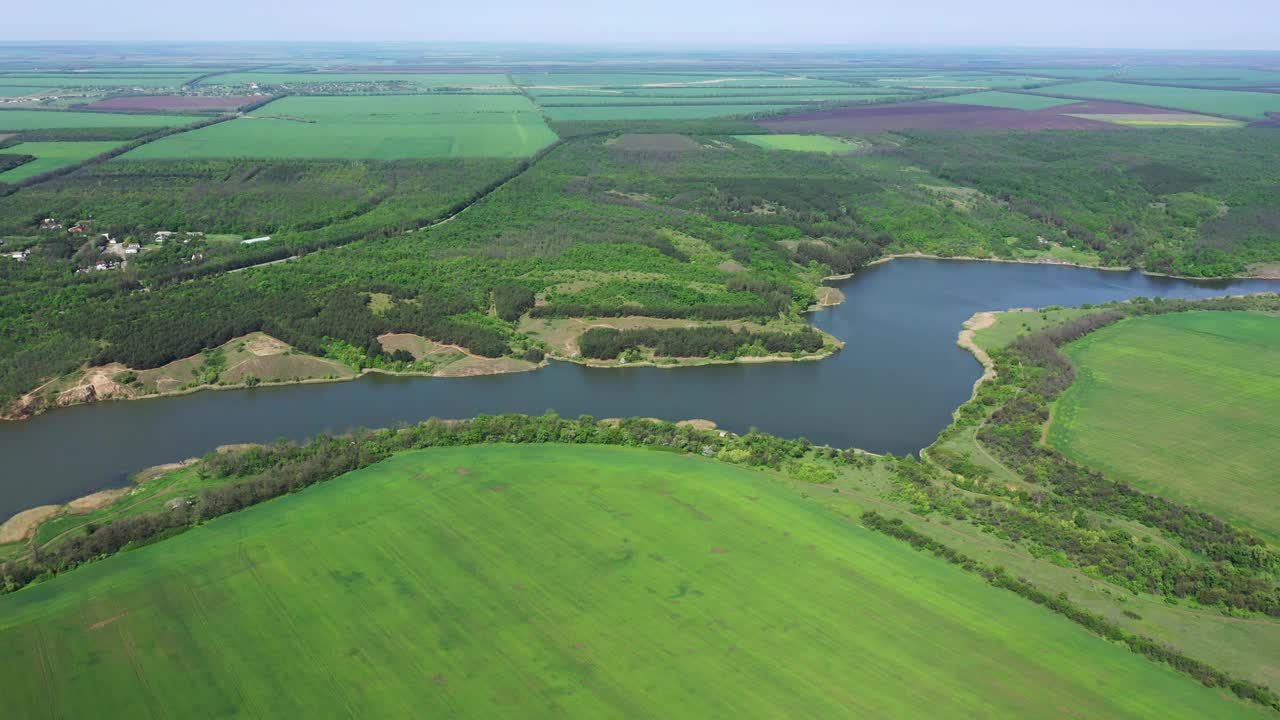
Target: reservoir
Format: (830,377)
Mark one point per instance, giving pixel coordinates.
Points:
(892,388)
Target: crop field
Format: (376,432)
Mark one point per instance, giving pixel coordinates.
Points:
(671,80)
(77,79)
(1235,103)
(714,91)
(556,581)
(51,156)
(426,80)
(929,115)
(174,102)
(1184,405)
(656,112)
(21,90)
(380,127)
(1013,101)
(957,81)
(802,143)
(58,120)
(797,98)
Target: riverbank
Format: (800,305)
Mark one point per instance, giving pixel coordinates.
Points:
(1269,271)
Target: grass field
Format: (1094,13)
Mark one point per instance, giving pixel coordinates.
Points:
(384,127)
(656,112)
(556,581)
(802,143)
(1253,105)
(670,80)
(57,120)
(816,96)
(20,90)
(419,79)
(1184,405)
(51,156)
(76,79)
(1013,101)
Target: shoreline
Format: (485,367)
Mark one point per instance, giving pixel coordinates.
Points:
(1048,261)
(832,302)
(603,364)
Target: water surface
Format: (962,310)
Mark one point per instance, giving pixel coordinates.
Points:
(891,389)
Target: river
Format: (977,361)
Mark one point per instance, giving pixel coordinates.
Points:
(891,389)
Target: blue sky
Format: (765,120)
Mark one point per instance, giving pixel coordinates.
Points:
(1192,24)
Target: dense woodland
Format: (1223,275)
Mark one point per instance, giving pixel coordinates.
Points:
(714,229)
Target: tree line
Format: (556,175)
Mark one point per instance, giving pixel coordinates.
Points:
(609,343)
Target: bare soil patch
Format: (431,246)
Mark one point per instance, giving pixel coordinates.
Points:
(697,423)
(103,623)
(828,296)
(174,102)
(658,142)
(155,471)
(96,501)
(732,266)
(24,524)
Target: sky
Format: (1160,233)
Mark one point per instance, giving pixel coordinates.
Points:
(1157,24)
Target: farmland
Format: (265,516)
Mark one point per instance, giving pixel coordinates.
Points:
(1184,405)
(1014,101)
(611,598)
(383,127)
(420,80)
(51,156)
(928,115)
(57,120)
(656,112)
(174,102)
(1233,103)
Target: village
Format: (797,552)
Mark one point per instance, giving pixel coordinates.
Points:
(101,251)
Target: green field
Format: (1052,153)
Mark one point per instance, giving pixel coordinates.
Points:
(556,581)
(1235,103)
(948,81)
(51,156)
(817,96)
(1184,405)
(75,79)
(732,79)
(419,79)
(656,112)
(386,127)
(20,90)
(57,120)
(1014,101)
(801,143)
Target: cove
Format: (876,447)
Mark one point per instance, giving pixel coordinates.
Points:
(892,388)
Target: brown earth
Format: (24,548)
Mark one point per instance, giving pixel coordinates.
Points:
(828,296)
(173,102)
(24,524)
(96,501)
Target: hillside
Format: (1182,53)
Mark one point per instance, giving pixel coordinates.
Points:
(556,581)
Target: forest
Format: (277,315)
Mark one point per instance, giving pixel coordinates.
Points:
(718,230)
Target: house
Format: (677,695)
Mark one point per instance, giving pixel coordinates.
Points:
(162,235)
(50,224)
(77,228)
(251,241)
(20,256)
(132,249)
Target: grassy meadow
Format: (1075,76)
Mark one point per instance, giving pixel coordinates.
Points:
(1235,103)
(1184,405)
(59,120)
(556,581)
(387,127)
(51,156)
